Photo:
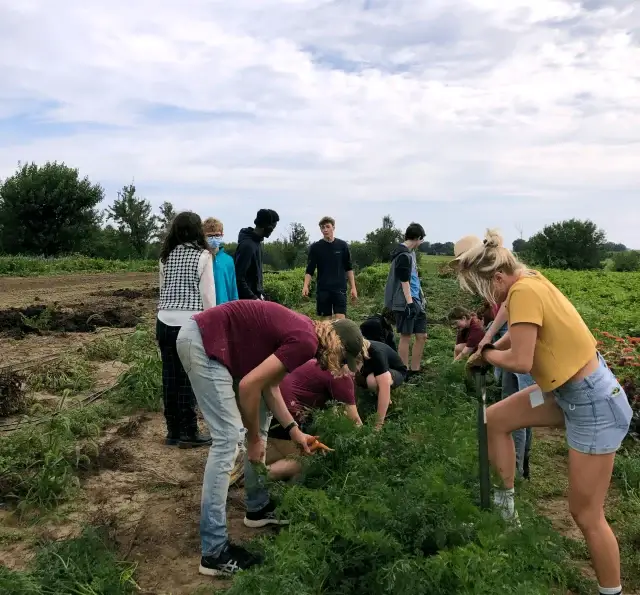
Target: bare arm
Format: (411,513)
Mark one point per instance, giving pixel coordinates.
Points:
(268,374)
(464,353)
(497,323)
(352,279)
(503,342)
(352,413)
(519,356)
(384,396)
(406,290)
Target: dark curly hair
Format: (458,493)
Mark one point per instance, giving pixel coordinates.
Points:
(186,228)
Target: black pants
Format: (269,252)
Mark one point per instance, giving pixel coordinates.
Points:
(178,397)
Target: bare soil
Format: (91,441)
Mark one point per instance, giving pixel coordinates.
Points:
(84,305)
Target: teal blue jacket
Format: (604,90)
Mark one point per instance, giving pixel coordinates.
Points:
(224,276)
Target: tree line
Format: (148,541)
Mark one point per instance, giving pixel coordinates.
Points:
(50,210)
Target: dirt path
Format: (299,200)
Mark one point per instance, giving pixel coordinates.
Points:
(148,496)
(23,291)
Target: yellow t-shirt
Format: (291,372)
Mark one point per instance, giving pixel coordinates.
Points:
(564,344)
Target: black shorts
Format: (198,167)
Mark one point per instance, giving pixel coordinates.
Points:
(277,432)
(396,377)
(333,301)
(411,326)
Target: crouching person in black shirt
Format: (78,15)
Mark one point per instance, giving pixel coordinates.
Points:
(332,258)
(381,372)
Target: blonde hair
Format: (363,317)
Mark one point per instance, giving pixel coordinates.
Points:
(477,267)
(330,354)
(211,225)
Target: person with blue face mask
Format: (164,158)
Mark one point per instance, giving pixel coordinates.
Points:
(224,272)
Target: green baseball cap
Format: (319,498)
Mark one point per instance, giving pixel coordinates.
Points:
(351,339)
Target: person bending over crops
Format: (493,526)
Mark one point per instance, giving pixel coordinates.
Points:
(469,332)
(381,372)
(306,390)
(548,338)
(256,343)
(186,288)
(379,327)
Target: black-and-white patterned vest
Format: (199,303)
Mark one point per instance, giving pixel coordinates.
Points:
(181,288)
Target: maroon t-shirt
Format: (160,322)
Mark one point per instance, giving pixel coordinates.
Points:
(243,333)
(311,387)
(475,333)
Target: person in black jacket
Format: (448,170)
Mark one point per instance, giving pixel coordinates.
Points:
(248,256)
(379,327)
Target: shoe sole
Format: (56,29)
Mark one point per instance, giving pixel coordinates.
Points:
(171,443)
(259,524)
(213,571)
(184,445)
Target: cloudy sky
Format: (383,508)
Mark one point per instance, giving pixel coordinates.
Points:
(460,114)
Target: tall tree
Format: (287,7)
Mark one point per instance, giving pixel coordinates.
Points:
(47,210)
(167,215)
(382,241)
(571,244)
(134,218)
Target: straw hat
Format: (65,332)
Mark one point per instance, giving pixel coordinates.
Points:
(463,245)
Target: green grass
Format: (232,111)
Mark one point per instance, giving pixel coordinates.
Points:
(30,266)
(82,566)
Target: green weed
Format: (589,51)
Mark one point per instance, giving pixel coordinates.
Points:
(69,375)
(82,566)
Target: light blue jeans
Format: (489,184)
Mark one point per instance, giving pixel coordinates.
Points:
(213,386)
(597,413)
(497,372)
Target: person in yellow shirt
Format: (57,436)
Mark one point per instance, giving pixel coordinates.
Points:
(574,389)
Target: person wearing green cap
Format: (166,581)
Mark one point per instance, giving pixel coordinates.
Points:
(255,343)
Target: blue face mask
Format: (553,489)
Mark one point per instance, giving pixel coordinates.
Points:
(215,242)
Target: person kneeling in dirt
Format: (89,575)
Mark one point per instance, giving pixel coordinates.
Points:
(382,371)
(256,343)
(379,327)
(470,332)
(307,389)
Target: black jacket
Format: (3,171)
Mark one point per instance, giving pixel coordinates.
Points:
(248,261)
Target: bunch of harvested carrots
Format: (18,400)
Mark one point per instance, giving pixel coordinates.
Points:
(314,444)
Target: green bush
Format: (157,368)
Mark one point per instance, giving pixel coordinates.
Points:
(627,261)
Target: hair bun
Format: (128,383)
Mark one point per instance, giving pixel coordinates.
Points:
(493,239)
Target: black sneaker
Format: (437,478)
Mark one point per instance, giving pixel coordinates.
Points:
(194,440)
(172,439)
(233,558)
(264,517)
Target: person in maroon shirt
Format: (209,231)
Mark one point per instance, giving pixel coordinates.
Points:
(305,390)
(470,332)
(256,343)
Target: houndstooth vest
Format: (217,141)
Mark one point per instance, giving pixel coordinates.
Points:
(181,288)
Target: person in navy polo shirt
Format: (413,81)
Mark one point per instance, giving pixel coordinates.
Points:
(256,343)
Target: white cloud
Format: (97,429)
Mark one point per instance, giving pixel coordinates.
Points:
(314,105)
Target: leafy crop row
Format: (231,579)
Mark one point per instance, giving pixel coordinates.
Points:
(26,266)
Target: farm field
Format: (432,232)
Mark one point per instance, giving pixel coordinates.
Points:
(92,502)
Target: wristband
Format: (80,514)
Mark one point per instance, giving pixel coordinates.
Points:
(290,427)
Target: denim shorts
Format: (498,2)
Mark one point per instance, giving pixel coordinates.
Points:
(597,412)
